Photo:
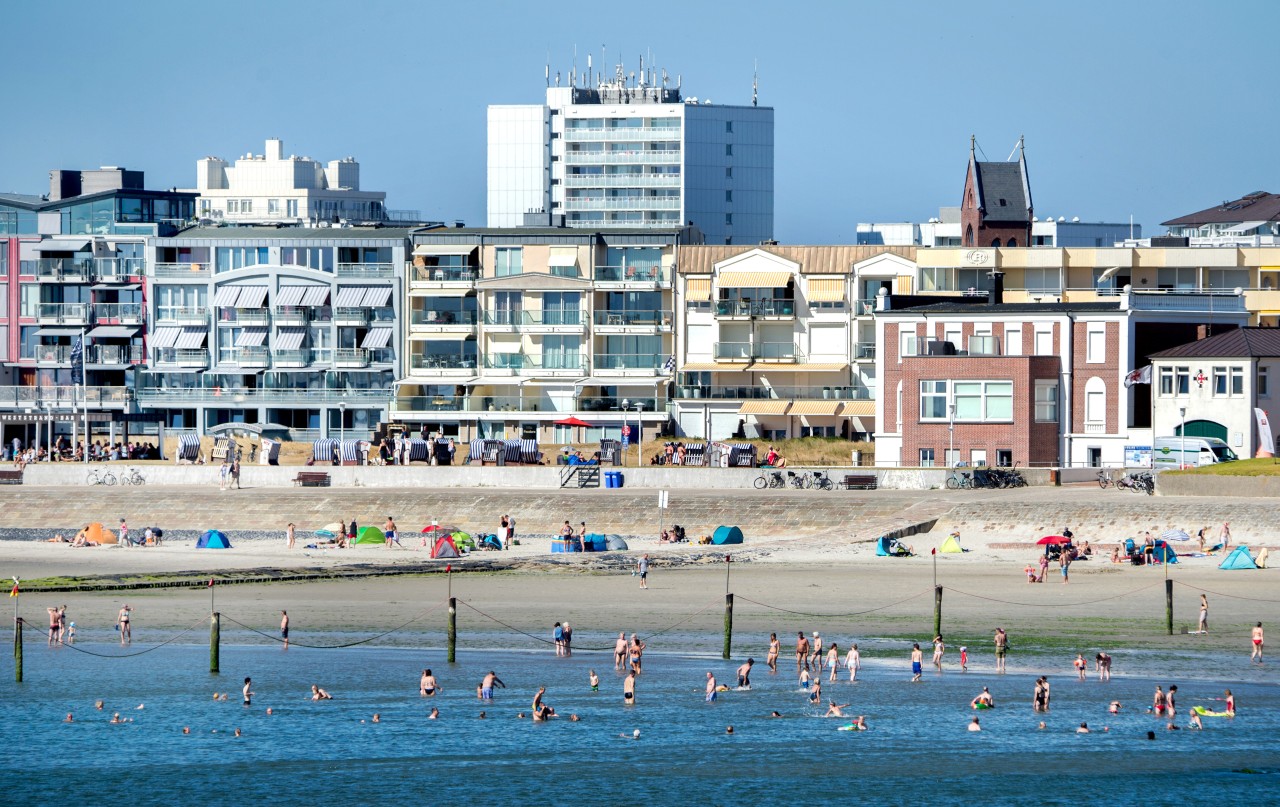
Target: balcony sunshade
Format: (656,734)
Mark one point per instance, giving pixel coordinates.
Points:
(116,286)
(73,245)
(766,407)
(376,297)
(252,297)
(227,296)
(112,332)
(351,296)
(164,337)
(251,337)
(1245,227)
(826,289)
(851,408)
(563,256)
(58,331)
(698,288)
(753,280)
(442,249)
(191,338)
(291,295)
(376,337)
(290,338)
(815,408)
(316,296)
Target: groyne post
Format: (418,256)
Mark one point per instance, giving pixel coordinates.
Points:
(17,649)
(215,640)
(728,625)
(937,610)
(453,629)
(1168,606)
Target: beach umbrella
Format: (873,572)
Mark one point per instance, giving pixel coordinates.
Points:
(333,527)
(1054,539)
(1175,535)
(573,421)
(439,528)
(324,534)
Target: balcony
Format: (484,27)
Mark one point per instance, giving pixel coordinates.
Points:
(651,275)
(251,357)
(506,361)
(182,358)
(366,270)
(1198,301)
(450,275)
(864,350)
(300,357)
(185,270)
(189,396)
(621,134)
(292,315)
(437,362)
(639,319)
(118,270)
(623,203)
(117,313)
(194,315)
(442,319)
(728,392)
(770,307)
(65,397)
(62,313)
(250,317)
(430,403)
(114,355)
(623,158)
(571,320)
(351,358)
(351,317)
(622,181)
(631,363)
(761,351)
(48,354)
(1095,428)
(60,270)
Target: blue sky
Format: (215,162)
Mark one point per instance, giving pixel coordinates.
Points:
(1150,109)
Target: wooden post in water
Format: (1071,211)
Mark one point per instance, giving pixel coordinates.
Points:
(453,630)
(1168,606)
(728,625)
(937,610)
(17,649)
(215,638)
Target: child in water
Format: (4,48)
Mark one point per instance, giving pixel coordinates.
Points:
(595,681)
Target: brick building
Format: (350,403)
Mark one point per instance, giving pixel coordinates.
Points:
(996,209)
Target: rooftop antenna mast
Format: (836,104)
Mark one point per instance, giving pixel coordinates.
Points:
(588,70)
(547,72)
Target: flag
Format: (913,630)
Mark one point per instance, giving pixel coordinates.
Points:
(670,366)
(210,582)
(77,360)
(1139,376)
(1266,443)
(933,551)
(14,593)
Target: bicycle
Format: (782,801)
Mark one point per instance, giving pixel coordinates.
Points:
(773,479)
(100,476)
(823,482)
(958,480)
(130,476)
(1104,478)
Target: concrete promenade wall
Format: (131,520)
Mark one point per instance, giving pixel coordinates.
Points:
(1250,487)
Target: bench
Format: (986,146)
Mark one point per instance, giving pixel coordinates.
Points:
(317,479)
(10,477)
(860,482)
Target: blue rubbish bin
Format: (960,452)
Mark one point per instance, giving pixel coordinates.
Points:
(617,479)
(610,479)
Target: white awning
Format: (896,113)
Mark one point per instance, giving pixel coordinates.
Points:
(350,296)
(164,337)
(116,286)
(291,295)
(563,256)
(376,297)
(1245,227)
(316,296)
(71,245)
(112,332)
(251,337)
(442,249)
(227,296)
(377,337)
(252,297)
(191,338)
(290,338)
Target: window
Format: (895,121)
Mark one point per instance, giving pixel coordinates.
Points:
(926,458)
(1182,377)
(1004,457)
(1012,341)
(1237,381)
(204,207)
(233,205)
(728,172)
(951,333)
(1182,278)
(508,261)
(728,126)
(953,457)
(933,400)
(983,400)
(1262,382)
(291,207)
(1096,347)
(907,344)
(1044,340)
(978,457)
(273,207)
(29,300)
(1095,401)
(983,345)
(1041,280)
(728,196)
(728,218)
(728,149)
(319,258)
(230,258)
(1219,381)
(1166,381)
(1046,401)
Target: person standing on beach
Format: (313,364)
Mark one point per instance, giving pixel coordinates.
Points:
(557,636)
(503,533)
(917,660)
(771,658)
(939,650)
(53,625)
(223,473)
(620,651)
(1257,643)
(568,640)
(815,657)
(1002,647)
(1203,627)
(284,628)
(642,566)
(353,532)
(289,535)
(1064,564)
(124,533)
(629,689)
(235,471)
(122,624)
(1103,664)
(802,651)
(389,530)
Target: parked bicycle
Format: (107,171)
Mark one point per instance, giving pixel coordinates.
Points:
(101,476)
(130,476)
(1104,478)
(959,480)
(772,479)
(1138,482)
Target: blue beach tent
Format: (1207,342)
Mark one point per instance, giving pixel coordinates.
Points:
(887,546)
(213,539)
(1238,559)
(726,535)
(1164,553)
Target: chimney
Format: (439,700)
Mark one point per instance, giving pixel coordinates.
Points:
(995,295)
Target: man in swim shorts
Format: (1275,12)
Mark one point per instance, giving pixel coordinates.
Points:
(629,689)
(917,657)
(744,674)
(802,651)
(1002,647)
(711,688)
(620,651)
(486,686)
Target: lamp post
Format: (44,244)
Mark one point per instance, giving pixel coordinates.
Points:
(639,431)
(1182,430)
(342,425)
(951,434)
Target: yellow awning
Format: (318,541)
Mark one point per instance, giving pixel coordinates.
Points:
(814,408)
(713,366)
(698,288)
(765,407)
(792,367)
(850,408)
(753,280)
(826,289)
(1269,268)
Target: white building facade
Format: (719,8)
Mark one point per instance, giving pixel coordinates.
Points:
(944,231)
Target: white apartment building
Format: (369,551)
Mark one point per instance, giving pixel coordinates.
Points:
(633,152)
(944,231)
(270,188)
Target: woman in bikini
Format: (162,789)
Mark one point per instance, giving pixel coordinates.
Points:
(428,685)
(772,658)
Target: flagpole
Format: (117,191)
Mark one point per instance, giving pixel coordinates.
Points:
(84,386)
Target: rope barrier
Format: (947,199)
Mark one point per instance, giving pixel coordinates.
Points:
(1221,594)
(601,649)
(830,616)
(1052,604)
(174,638)
(334,646)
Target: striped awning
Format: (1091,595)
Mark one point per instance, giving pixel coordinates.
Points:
(290,338)
(351,296)
(814,408)
(852,408)
(376,337)
(765,407)
(826,289)
(251,337)
(164,337)
(191,338)
(376,297)
(227,296)
(291,295)
(316,296)
(697,289)
(753,280)
(252,297)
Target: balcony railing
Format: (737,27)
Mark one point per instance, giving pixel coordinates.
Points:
(622,181)
(506,361)
(429,403)
(351,357)
(732,351)
(864,350)
(65,397)
(765,351)
(1200,301)
(445,274)
(630,274)
(185,358)
(442,361)
(226,395)
(628,361)
(254,357)
(48,354)
(522,318)
(418,316)
(623,158)
(350,316)
(63,313)
(193,315)
(623,203)
(118,270)
(117,313)
(292,315)
(621,134)
(300,357)
(181,270)
(641,318)
(768,307)
(114,355)
(720,391)
(253,317)
(613,403)
(366,270)
(60,270)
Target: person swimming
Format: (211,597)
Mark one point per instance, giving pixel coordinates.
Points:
(983,701)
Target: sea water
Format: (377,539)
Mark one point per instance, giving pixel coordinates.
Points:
(916,750)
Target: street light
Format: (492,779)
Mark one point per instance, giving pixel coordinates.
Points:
(626,407)
(342,426)
(951,433)
(1182,449)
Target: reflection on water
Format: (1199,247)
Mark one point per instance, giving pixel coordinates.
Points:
(309,753)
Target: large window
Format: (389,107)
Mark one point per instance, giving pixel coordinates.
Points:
(933,400)
(508,261)
(175,299)
(983,400)
(318,258)
(1177,278)
(1095,401)
(561,352)
(231,258)
(1046,401)
(1042,280)
(561,308)
(937,278)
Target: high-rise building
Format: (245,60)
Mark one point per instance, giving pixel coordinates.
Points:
(631,151)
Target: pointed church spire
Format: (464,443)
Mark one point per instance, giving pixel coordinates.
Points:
(972,141)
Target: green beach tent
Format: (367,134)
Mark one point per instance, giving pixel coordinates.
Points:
(950,546)
(1238,559)
(463,541)
(370,535)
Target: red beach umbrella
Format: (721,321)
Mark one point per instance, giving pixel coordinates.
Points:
(1054,539)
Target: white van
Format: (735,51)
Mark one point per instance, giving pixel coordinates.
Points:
(1190,452)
